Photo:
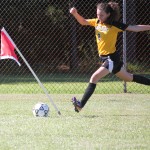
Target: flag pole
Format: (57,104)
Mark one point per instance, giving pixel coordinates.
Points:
(39,82)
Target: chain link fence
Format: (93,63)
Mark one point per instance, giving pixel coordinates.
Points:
(63,53)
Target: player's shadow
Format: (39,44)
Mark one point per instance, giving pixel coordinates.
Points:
(92,116)
(113,115)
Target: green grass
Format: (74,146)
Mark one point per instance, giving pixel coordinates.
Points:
(66,84)
(108,122)
(52,87)
(71,88)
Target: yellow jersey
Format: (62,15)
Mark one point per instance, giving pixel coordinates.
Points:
(106,35)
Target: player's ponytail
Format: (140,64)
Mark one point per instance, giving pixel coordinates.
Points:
(112,8)
(115,14)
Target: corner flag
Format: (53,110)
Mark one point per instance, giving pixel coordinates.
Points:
(7,47)
(7,51)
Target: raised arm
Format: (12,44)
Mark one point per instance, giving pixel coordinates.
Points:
(138,28)
(78,17)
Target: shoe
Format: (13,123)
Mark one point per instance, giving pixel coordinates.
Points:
(77,104)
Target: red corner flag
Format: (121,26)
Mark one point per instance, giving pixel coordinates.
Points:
(7,47)
(7,51)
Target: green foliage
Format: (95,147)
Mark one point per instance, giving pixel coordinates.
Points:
(55,15)
(137,67)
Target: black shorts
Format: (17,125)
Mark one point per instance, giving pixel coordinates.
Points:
(112,62)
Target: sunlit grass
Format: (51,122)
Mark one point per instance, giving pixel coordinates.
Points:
(115,121)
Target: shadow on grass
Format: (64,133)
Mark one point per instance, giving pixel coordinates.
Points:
(102,116)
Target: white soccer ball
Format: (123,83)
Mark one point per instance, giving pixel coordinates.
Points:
(40,110)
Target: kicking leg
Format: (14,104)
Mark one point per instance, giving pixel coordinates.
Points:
(101,72)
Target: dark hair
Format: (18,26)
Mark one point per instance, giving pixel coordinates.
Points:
(112,8)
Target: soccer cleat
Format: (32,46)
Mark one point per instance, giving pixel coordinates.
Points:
(77,104)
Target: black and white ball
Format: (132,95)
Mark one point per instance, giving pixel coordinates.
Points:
(41,110)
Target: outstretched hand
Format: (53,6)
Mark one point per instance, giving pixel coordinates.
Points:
(78,17)
(73,11)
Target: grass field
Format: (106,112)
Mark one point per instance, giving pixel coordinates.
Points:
(108,122)
(71,88)
(66,84)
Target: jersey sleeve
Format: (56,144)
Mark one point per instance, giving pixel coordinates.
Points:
(92,22)
(120,26)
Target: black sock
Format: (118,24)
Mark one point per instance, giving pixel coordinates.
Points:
(88,92)
(141,79)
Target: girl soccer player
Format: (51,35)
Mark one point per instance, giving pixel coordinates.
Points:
(107,28)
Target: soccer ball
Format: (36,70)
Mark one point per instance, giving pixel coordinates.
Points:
(40,110)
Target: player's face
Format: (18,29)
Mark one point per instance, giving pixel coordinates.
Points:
(102,15)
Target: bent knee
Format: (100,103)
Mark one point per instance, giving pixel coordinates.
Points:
(100,73)
(94,79)
(128,78)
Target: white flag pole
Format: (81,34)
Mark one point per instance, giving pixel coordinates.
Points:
(39,82)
